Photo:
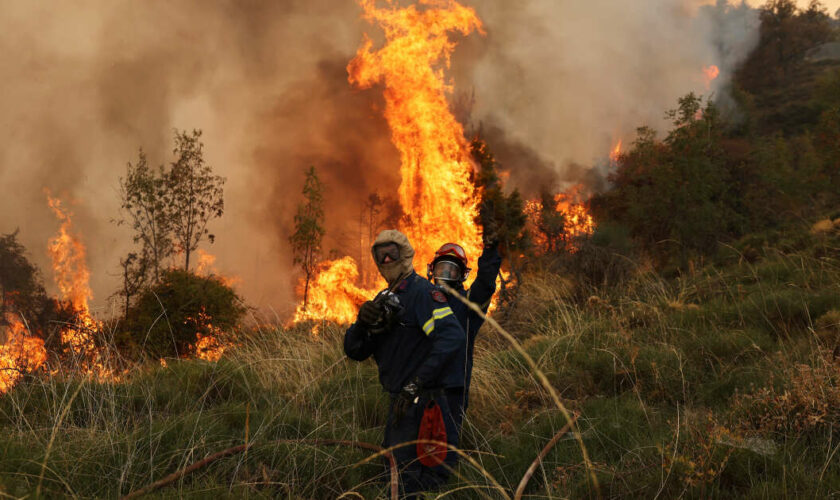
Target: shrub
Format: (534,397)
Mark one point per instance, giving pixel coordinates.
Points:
(169,317)
(807,402)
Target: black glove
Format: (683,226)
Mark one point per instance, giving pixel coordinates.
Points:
(490,236)
(408,397)
(369,313)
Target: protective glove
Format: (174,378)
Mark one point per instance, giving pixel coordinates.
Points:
(369,313)
(408,397)
(490,236)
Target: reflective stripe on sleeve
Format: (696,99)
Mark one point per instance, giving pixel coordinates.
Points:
(429,326)
(439,313)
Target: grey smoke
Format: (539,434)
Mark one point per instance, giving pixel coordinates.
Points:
(566,80)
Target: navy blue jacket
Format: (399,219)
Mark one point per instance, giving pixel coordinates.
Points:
(480,292)
(426,342)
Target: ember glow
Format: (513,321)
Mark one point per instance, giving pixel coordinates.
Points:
(578,221)
(19,353)
(208,347)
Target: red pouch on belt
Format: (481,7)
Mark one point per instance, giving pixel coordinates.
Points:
(432,428)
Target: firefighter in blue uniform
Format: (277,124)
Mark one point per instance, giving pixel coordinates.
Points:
(450,266)
(420,350)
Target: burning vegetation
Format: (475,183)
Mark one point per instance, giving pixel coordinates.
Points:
(72,277)
(20,352)
(440,198)
(681,307)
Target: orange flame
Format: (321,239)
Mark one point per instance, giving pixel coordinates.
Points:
(578,221)
(615,153)
(436,193)
(68,255)
(207,267)
(19,353)
(710,74)
(208,347)
(332,294)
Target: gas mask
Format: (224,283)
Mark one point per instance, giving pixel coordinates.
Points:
(447,272)
(393,255)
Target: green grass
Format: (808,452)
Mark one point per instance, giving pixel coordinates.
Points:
(666,374)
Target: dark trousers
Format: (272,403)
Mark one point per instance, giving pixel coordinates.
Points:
(414,476)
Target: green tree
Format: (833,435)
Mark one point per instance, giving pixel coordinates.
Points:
(786,34)
(309,229)
(502,217)
(144,193)
(828,144)
(21,290)
(194,195)
(678,190)
(134,273)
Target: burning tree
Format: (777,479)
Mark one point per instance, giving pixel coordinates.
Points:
(309,230)
(22,300)
(551,222)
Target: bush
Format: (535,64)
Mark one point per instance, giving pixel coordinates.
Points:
(169,317)
(808,401)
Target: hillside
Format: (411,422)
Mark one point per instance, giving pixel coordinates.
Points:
(686,317)
(723,383)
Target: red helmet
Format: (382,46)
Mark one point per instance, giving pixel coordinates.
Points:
(450,252)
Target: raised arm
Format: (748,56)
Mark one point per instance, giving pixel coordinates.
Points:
(484,286)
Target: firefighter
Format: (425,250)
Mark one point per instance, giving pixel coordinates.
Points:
(419,348)
(450,266)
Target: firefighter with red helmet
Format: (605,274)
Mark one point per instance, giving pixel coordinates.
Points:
(451,266)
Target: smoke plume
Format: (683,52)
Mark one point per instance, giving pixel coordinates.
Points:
(85,84)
